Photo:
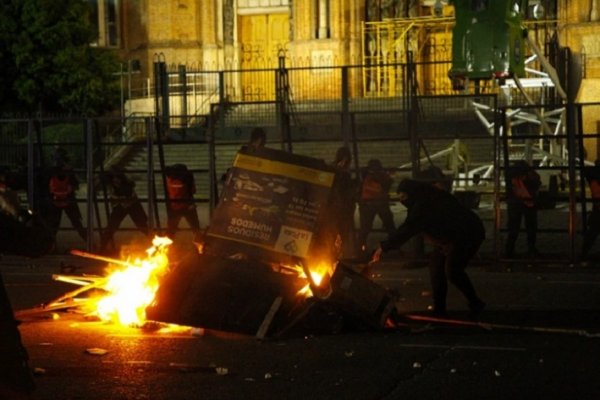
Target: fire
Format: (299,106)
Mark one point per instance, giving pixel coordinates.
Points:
(132,288)
(317,274)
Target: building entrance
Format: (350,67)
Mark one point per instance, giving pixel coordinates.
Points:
(262,38)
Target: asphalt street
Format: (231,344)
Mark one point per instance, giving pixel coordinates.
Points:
(539,337)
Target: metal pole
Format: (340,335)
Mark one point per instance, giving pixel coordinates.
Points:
(184,100)
(212,170)
(221,100)
(90,182)
(166,113)
(129,66)
(571,132)
(157,89)
(283,96)
(211,138)
(30,165)
(582,182)
(345,107)
(412,117)
(499,117)
(122,95)
(150,173)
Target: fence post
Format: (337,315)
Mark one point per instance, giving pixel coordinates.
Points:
(572,130)
(222,100)
(283,97)
(157,86)
(345,107)
(500,152)
(164,94)
(184,100)
(90,182)
(30,165)
(150,173)
(212,168)
(412,117)
(161,91)
(211,135)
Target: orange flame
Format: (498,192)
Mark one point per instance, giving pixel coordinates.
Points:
(317,274)
(132,289)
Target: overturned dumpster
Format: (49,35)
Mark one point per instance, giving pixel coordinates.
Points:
(270,256)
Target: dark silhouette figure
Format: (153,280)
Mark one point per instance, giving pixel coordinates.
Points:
(592,175)
(258,139)
(124,203)
(62,187)
(180,203)
(522,188)
(455,231)
(374,200)
(23,234)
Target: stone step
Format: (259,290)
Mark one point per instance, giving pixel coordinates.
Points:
(392,154)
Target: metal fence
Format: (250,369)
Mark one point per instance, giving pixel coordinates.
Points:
(467,137)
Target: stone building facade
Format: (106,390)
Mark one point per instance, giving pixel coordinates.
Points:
(235,34)
(579,26)
(231,34)
(216,35)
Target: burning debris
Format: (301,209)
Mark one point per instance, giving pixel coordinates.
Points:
(269,264)
(127,290)
(132,289)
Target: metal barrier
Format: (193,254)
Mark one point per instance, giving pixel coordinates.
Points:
(407,134)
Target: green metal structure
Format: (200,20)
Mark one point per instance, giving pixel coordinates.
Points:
(488,40)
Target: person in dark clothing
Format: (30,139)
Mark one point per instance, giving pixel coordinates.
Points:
(455,231)
(374,201)
(16,380)
(180,199)
(23,234)
(344,199)
(124,202)
(62,187)
(258,139)
(592,175)
(522,187)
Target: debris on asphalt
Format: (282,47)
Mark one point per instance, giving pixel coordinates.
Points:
(96,351)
